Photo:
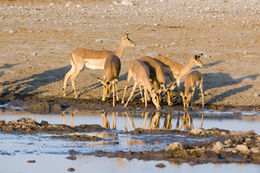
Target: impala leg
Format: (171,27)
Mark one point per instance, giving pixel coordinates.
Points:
(202,93)
(141,92)
(145,97)
(192,94)
(169,101)
(72,78)
(132,93)
(113,87)
(104,93)
(66,77)
(117,98)
(123,98)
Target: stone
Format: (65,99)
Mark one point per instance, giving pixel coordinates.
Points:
(217,147)
(243,149)
(160,165)
(126,2)
(12,31)
(175,146)
(255,150)
(197,131)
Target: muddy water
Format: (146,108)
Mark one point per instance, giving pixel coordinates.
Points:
(20,148)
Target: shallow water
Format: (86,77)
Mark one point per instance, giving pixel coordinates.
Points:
(45,163)
(46,150)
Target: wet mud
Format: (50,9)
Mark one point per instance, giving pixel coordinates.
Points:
(44,105)
(208,146)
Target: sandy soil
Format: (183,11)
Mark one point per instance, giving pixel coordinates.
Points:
(37,36)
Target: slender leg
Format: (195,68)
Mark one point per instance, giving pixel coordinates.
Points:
(168,92)
(192,94)
(145,97)
(130,120)
(103,95)
(72,78)
(123,98)
(68,74)
(113,87)
(117,98)
(202,93)
(132,93)
(141,92)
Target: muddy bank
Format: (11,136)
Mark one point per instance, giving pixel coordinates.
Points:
(44,105)
(200,146)
(28,125)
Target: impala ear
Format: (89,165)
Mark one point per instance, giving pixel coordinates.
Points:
(101,80)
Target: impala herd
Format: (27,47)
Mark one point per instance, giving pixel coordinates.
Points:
(147,72)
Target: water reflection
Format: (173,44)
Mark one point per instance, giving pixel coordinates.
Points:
(145,120)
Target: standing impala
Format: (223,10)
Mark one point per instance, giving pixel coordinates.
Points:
(141,75)
(92,59)
(193,80)
(111,74)
(176,70)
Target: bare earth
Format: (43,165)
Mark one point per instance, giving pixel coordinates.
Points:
(36,37)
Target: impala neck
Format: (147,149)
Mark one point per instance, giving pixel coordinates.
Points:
(187,68)
(120,51)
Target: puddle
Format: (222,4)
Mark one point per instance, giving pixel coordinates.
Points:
(44,163)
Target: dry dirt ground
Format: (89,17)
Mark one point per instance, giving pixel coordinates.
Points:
(36,37)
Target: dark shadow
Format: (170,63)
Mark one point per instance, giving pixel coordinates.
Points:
(217,80)
(98,84)
(208,65)
(37,80)
(228,93)
(9,65)
(1,73)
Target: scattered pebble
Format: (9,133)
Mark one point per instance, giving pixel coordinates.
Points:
(160,165)
(71,169)
(31,161)
(71,157)
(126,2)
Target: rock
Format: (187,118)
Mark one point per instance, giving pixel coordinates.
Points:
(243,149)
(71,157)
(68,4)
(228,142)
(31,161)
(255,150)
(175,146)
(71,169)
(217,147)
(99,40)
(160,165)
(197,131)
(126,2)
(12,31)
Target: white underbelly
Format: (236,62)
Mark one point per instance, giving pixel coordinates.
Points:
(94,64)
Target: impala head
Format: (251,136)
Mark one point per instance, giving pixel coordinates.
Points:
(107,86)
(197,61)
(127,42)
(185,100)
(155,99)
